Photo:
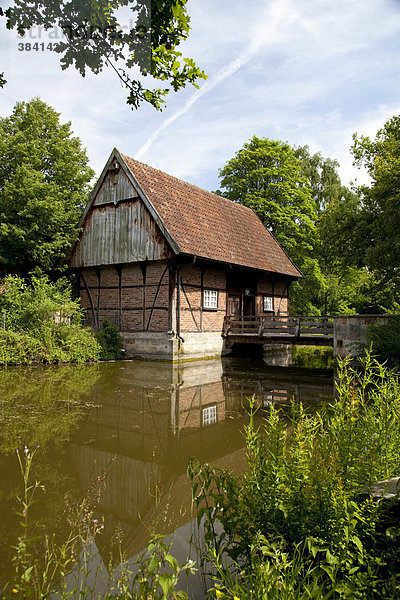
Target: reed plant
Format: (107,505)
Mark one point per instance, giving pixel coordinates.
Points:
(45,567)
(301,522)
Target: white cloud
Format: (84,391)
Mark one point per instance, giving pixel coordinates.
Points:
(269,28)
(310,73)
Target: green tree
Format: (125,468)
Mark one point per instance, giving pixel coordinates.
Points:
(95,38)
(380,226)
(342,284)
(44,182)
(322,176)
(266,176)
(301,200)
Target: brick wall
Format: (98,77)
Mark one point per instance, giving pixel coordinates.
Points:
(134,297)
(277,289)
(193,316)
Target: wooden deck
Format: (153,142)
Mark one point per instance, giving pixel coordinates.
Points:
(305,330)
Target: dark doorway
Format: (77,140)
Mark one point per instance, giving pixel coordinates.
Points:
(248,306)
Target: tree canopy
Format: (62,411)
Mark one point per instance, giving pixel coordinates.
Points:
(380,222)
(94,38)
(301,200)
(44,184)
(266,176)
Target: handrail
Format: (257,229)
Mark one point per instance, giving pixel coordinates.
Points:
(274,325)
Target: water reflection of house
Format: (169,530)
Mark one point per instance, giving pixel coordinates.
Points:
(152,417)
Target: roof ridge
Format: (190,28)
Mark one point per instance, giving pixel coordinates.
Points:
(186,182)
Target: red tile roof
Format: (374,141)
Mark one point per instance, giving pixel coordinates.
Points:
(209,226)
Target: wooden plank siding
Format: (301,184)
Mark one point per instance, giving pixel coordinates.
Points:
(118,229)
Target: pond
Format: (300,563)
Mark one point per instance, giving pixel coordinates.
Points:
(125,430)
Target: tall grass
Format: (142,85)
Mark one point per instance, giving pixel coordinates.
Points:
(45,567)
(300,522)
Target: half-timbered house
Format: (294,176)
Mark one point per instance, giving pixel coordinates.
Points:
(167,262)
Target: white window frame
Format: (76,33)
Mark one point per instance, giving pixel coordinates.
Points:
(209,415)
(268,304)
(210,299)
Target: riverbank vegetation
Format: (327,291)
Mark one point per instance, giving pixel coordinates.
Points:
(300,523)
(313,357)
(41,322)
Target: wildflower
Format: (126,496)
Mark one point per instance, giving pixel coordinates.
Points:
(219,593)
(15,591)
(236,598)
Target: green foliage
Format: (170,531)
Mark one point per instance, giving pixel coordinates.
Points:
(313,357)
(110,341)
(300,199)
(19,348)
(300,522)
(41,323)
(380,225)
(44,183)
(158,575)
(322,176)
(266,176)
(385,340)
(335,281)
(95,38)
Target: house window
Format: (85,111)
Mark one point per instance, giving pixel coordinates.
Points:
(209,415)
(210,299)
(268,304)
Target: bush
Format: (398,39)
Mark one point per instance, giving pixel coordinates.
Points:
(313,357)
(300,522)
(110,341)
(42,323)
(19,348)
(385,341)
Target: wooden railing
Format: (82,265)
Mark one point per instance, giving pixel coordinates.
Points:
(273,326)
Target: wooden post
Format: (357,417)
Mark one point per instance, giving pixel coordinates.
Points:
(119,271)
(260,327)
(297,331)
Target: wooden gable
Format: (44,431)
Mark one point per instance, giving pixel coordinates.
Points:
(117,225)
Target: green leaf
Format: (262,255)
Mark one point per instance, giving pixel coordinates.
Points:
(173,563)
(356,540)
(167,583)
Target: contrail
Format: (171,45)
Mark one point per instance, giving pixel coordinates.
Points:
(278,12)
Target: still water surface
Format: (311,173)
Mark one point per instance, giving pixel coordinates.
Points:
(126,430)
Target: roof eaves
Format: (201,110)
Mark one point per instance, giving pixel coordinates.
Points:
(300,276)
(243,266)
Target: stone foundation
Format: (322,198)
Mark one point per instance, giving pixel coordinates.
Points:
(277,355)
(350,333)
(166,346)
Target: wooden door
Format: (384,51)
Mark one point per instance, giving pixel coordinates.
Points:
(233,306)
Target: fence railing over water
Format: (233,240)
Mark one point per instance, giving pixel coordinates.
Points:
(279,326)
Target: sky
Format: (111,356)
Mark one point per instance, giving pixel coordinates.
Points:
(310,72)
